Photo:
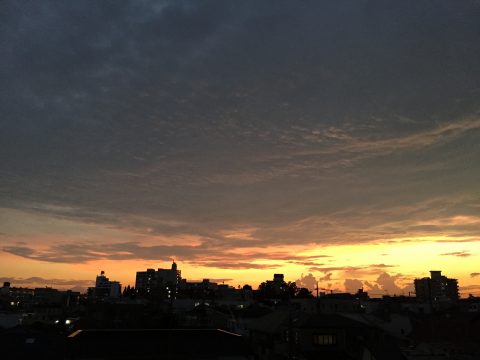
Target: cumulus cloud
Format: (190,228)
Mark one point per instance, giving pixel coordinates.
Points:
(353,285)
(388,284)
(308,281)
(327,277)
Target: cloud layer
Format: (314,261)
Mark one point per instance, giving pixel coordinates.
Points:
(36,281)
(241,127)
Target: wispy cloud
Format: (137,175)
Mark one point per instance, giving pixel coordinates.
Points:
(36,281)
(470,288)
(199,255)
(458,253)
(353,271)
(348,145)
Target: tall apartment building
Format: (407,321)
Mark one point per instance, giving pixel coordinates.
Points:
(162,280)
(437,288)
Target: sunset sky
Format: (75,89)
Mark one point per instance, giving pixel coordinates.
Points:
(332,141)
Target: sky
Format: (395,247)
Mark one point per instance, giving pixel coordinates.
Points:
(335,142)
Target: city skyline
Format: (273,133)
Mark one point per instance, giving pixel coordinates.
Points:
(385,286)
(241,139)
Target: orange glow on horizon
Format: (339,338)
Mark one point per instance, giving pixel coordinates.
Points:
(405,258)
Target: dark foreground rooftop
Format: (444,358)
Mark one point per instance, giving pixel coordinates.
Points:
(156,344)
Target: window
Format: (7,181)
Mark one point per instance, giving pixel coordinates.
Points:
(324,339)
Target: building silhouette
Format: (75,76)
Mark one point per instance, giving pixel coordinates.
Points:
(105,288)
(436,289)
(163,281)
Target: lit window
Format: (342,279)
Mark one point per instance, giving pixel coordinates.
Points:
(324,339)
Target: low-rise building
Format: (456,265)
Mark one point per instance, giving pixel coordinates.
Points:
(104,288)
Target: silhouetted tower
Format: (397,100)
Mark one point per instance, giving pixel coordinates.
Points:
(436,288)
(161,281)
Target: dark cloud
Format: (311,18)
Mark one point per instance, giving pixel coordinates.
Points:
(474,274)
(84,252)
(313,123)
(36,281)
(458,253)
(381,266)
(232,264)
(459,240)
(200,255)
(23,251)
(312,264)
(327,269)
(287,256)
(218,281)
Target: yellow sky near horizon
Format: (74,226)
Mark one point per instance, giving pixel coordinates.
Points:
(404,259)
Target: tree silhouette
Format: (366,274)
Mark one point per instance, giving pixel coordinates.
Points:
(304,293)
